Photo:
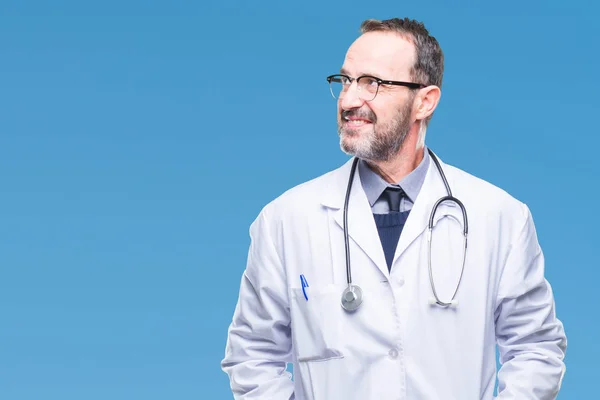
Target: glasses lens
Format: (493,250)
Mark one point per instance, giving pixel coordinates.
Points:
(336,85)
(368,88)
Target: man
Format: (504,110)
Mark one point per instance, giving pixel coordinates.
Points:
(390,340)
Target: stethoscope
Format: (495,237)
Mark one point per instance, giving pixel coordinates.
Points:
(352,297)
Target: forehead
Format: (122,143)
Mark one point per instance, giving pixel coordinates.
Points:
(384,54)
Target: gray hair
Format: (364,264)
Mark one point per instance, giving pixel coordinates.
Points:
(429,64)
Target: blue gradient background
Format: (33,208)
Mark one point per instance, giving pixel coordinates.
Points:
(124,125)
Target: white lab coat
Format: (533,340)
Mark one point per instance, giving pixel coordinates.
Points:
(397,345)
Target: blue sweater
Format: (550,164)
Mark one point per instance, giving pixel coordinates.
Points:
(389,227)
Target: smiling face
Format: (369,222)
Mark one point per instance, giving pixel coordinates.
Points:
(376,130)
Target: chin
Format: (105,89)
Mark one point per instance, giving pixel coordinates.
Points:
(355,146)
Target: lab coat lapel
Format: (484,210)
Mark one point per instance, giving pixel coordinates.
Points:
(361,224)
(432,189)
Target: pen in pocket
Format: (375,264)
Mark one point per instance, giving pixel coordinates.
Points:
(304,285)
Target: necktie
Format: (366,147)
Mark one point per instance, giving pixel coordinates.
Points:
(393,195)
(390,225)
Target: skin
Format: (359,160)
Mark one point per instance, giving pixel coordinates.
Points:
(389,123)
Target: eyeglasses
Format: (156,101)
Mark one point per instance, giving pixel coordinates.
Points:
(368,86)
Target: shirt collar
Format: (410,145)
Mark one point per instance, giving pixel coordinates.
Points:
(374,185)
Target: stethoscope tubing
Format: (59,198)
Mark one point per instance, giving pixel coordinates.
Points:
(346,240)
(449,197)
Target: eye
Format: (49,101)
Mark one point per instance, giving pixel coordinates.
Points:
(370,82)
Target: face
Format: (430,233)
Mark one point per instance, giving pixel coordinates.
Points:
(376,130)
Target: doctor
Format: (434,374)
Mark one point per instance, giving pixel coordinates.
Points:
(377,290)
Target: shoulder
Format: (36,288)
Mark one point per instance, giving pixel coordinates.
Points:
(486,197)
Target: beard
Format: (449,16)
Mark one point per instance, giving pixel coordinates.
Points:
(383,141)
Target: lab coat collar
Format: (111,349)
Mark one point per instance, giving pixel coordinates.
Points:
(361,224)
(432,190)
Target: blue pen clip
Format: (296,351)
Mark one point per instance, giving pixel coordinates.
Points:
(304,285)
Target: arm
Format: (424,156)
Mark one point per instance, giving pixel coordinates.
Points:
(258,342)
(531,340)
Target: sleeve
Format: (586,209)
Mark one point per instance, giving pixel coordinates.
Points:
(259,338)
(531,340)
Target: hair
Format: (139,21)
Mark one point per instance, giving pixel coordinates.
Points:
(428,68)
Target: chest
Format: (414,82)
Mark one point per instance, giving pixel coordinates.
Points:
(397,301)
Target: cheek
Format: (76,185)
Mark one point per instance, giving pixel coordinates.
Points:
(380,115)
(389,112)
(384,108)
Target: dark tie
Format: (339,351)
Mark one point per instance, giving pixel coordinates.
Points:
(390,225)
(393,195)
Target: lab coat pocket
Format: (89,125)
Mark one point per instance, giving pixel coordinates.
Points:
(316,321)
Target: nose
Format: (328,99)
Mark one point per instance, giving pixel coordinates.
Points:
(351,98)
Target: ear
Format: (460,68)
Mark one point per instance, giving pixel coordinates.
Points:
(427,100)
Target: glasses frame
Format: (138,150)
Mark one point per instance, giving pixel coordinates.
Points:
(411,85)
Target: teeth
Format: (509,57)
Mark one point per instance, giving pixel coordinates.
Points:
(357,122)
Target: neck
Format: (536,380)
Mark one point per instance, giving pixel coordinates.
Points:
(395,169)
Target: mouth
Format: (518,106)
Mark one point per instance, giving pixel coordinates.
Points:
(356,122)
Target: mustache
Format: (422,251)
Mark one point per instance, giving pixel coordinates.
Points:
(359,114)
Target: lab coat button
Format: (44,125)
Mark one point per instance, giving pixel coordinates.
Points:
(400,281)
(393,354)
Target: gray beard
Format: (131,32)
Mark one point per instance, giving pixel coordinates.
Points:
(384,142)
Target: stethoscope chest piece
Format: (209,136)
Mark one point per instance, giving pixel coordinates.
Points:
(352,298)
